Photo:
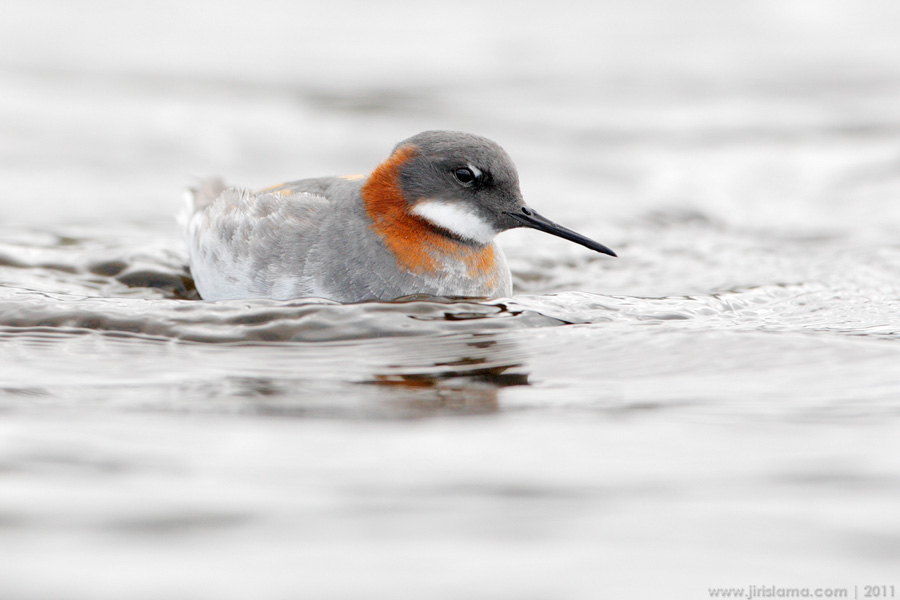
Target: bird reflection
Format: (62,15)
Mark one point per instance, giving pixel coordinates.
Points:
(409,378)
(466,381)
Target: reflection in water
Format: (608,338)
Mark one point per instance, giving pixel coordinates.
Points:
(456,375)
(466,382)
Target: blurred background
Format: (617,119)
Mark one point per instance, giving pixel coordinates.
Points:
(717,407)
(770,112)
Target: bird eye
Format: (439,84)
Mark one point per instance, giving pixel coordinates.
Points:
(464,175)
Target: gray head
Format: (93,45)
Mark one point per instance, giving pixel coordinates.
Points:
(467,186)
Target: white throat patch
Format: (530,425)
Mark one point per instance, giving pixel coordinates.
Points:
(455,219)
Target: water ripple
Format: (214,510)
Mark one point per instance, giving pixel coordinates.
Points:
(796,307)
(310,320)
(807,307)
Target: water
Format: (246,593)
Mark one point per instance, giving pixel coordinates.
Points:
(717,407)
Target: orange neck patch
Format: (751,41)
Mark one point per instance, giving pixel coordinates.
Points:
(417,245)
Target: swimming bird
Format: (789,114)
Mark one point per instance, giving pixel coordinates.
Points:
(422,222)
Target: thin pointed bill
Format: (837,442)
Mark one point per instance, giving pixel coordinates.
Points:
(529,218)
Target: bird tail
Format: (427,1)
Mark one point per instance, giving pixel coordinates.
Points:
(200,196)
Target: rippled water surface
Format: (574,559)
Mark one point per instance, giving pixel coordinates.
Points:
(720,406)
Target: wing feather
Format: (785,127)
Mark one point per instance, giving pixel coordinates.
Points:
(244,244)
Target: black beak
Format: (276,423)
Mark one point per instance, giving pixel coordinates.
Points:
(529,218)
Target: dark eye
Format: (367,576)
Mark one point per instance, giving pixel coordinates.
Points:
(464,175)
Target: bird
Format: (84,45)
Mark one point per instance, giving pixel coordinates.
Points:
(422,222)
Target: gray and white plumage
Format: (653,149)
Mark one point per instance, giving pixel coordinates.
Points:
(416,225)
